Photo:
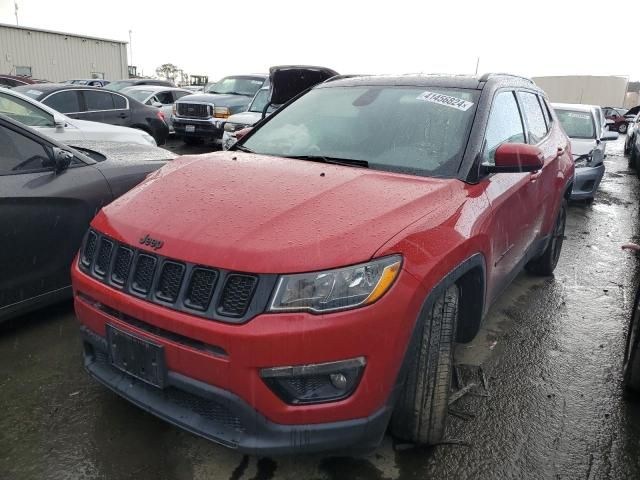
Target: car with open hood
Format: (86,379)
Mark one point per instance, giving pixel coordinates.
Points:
(303,291)
(34,114)
(285,82)
(49,192)
(588,142)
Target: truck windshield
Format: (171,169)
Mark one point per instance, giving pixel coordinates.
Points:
(576,124)
(237,86)
(415,130)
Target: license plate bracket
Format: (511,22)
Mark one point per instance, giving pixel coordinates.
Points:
(136,356)
(189,128)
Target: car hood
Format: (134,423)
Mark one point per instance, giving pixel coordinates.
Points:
(582,146)
(216,99)
(265,214)
(121,152)
(245,118)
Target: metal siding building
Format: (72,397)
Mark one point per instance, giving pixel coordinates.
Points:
(592,90)
(58,56)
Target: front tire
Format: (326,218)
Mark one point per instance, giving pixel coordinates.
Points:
(546,263)
(420,413)
(631,368)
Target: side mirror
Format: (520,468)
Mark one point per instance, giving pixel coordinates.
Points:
(240,134)
(516,158)
(59,122)
(61,159)
(157,105)
(609,135)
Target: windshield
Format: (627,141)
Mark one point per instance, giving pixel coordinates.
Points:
(577,124)
(260,100)
(116,86)
(29,91)
(140,95)
(24,112)
(237,86)
(404,129)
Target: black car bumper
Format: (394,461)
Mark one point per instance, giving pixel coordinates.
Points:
(206,130)
(225,418)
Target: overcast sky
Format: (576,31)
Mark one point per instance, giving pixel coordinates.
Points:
(217,38)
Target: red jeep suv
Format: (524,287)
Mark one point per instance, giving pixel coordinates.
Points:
(303,291)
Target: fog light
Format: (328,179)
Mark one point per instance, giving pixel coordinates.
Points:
(315,383)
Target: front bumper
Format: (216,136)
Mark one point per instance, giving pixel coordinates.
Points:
(586,182)
(226,359)
(221,416)
(211,129)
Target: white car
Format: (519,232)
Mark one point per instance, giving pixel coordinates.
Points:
(62,128)
(158,96)
(588,135)
(238,121)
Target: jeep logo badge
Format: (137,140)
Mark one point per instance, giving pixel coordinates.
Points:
(151,242)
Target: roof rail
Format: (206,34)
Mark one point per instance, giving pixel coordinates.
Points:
(487,76)
(341,77)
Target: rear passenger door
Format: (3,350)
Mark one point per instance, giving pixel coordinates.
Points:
(106,107)
(542,184)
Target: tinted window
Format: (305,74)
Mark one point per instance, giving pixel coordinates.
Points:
(165,98)
(19,154)
(577,124)
(179,95)
(8,82)
(535,118)
(401,129)
(64,102)
(119,102)
(24,112)
(98,100)
(505,125)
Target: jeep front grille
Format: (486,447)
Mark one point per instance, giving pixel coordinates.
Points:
(195,289)
(193,110)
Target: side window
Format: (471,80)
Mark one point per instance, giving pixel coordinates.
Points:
(504,126)
(20,154)
(64,102)
(119,102)
(165,98)
(536,125)
(24,112)
(545,111)
(97,101)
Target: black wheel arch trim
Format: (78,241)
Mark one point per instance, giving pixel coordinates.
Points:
(467,310)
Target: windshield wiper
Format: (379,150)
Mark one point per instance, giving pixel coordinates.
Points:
(241,148)
(347,162)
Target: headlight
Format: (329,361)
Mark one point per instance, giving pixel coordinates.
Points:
(149,139)
(221,112)
(234,127)
(338,289)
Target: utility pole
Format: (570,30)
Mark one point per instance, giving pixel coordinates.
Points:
(15,4)
(130,49)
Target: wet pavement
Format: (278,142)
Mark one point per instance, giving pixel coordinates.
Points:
(543,379)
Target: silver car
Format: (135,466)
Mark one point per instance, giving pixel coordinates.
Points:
(158,96)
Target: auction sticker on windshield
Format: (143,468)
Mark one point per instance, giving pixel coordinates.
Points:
(446,100)
(582,116)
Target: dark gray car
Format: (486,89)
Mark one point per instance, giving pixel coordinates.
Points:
(49,192)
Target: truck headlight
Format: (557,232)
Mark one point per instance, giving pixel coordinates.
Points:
(234,127)
(221,112)
(339,289)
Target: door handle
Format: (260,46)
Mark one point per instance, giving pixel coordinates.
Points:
(123,115)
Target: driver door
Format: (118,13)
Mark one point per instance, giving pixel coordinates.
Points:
(43,215)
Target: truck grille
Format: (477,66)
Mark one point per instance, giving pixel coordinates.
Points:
(173,284)
(193,110)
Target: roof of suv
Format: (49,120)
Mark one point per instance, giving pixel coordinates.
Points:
(579,107)
(438,80)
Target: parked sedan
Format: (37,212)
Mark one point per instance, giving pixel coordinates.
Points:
(582,125)
(62,128)
(49,192)
(100,105)
(11,81)
(159,97)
